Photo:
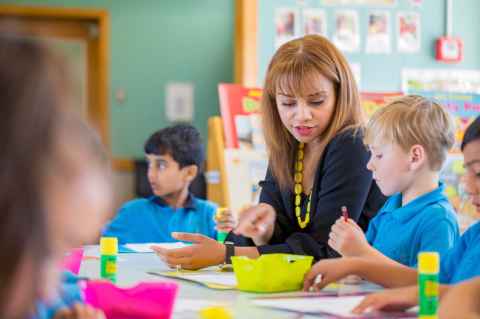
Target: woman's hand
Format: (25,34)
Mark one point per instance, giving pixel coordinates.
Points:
(348,239)
(79,311)
(257,222)
(398,299)
(203,252)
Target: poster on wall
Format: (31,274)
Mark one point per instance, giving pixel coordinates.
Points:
(240,110)
(416,3)
(444,80)
(378,32)
(373,101)
(346,36)
(451,174)
(360,2)
(285,20)
(408,32)
(464,108)
(314,22)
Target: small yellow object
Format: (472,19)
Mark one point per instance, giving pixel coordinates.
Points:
(299,166)
(298,189)
(108,245)
(298,177)
(215,312)
(220,211)
(298,199)
(297,211)
(300,155)
(428,262)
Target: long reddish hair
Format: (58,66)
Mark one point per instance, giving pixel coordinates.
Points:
(292,69)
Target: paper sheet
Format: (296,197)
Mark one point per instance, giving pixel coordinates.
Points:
(341,306)
(145,248)
(208,278)
(338,306)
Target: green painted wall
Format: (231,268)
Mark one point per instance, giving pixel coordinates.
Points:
(154,42)
(382,72)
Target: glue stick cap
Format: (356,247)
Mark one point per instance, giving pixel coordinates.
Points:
(220,211)
(108,245)
(428,262)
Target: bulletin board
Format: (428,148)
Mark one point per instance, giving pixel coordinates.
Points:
(379,71)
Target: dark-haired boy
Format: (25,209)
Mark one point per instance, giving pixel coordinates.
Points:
(174,155)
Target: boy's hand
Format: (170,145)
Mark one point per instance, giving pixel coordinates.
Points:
(461,300)
(257,222)
(348,239)
(79,311)
(327,271)
(203,252)
(226,221)
(389,300)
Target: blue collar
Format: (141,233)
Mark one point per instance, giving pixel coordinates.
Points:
(189,203)
(405,213)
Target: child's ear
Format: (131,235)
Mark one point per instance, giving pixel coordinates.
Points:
(417,156)
(190,172)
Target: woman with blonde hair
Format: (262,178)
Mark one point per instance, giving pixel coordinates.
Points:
(312,120)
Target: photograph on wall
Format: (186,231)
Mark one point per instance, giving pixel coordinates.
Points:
(378,32)
(285,20)
(408,32)
(360,2)
(346,36)
(179,101)
(416,3)
(314,22)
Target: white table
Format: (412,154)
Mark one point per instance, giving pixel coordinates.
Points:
(132,269)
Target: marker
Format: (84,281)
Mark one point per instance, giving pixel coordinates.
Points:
(345,213)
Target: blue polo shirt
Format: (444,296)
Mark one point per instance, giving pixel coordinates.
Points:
(150,219)
(427,223)
(462,262)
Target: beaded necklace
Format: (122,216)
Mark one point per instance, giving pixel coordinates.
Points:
(298,189)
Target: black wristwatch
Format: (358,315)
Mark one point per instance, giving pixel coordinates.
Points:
(230,251)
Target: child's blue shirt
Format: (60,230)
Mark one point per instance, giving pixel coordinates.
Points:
(462,262)
(150,219)
(68,295)
(427,223)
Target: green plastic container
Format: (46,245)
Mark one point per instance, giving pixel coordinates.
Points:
(271,272)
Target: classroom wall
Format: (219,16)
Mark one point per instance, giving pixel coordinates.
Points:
(382,72)
(154,42)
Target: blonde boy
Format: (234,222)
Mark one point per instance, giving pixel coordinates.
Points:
(409,140)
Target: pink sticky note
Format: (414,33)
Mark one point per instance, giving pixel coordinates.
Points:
(73,260)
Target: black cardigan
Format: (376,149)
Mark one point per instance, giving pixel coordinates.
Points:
(341,179)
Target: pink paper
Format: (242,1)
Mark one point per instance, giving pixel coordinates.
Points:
(148,300)
(73,260)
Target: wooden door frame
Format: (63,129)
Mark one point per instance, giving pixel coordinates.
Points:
(102,19)
(245,50)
